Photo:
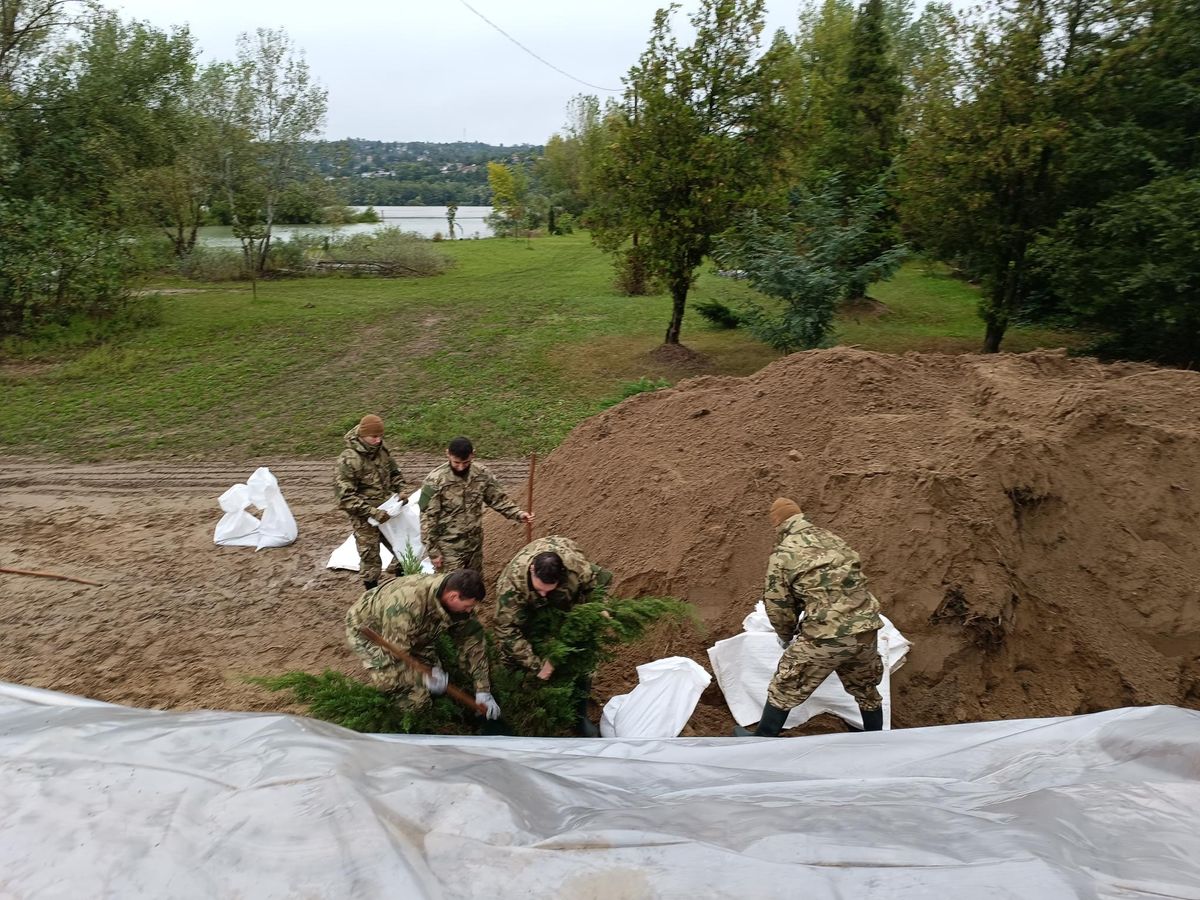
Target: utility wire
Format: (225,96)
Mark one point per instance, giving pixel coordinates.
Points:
(534,55)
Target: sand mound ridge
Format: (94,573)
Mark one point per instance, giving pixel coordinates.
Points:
(1029,521)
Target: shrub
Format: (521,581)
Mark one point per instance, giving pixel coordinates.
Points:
(718,313)
(633,272)
(212,264)
(388,251)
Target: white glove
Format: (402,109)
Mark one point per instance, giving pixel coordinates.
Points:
(437,681)
(486,699)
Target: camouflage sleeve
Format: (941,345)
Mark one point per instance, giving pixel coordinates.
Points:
(396,477)
(495,497)
(430,504)
(777,598)
(345,489)
(472,655)
(593,578)
(507,630)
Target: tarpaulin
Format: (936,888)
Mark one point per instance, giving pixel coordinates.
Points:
(102,801)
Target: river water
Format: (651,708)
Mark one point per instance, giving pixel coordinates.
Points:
(424,220)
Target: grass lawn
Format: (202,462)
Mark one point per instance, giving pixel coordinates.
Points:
(513,346)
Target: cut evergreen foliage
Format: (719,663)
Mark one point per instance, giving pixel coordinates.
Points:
(576,640)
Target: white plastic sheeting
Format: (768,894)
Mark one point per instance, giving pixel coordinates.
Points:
(402,529)
(111,802)
(239,528)
(662,702)
(745,663)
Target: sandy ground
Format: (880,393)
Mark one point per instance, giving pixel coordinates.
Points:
(178,621)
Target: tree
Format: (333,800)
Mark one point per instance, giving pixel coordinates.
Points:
(812,258)
(694,142)
(510,193)
(88,102)
(266,105)
(1125,256)
(980,175)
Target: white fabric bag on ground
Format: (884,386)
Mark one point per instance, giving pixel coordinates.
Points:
(402,530)
(744,665)
(661,704)
(239,528)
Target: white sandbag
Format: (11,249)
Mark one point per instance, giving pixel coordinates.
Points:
(402,530)
(346,556)
(240,528)
(744,665)
(661,704)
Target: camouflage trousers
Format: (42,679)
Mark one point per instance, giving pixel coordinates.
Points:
(367,539)
(806,663)
(406,687)
(467,556)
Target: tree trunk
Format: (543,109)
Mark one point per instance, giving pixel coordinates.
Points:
(679,292)
(993,335)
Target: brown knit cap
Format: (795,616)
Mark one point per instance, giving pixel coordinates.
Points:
(370,426)
(782,510)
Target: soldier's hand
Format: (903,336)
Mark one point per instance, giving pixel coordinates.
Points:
(380,515)
(527,518)
(436,681)
(436,562)
(493,708)
(546,670)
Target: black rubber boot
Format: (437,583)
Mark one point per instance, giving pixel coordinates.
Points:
(772,721)
(769,724)
(368,585)
(585,728)
(872,719)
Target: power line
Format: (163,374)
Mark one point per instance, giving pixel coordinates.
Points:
(534,55)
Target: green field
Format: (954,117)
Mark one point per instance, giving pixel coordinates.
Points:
(513,346)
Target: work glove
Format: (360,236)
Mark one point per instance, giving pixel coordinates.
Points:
(493,708)
(380,515)
(437,681)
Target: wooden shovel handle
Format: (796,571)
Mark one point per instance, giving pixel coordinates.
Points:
(455,694)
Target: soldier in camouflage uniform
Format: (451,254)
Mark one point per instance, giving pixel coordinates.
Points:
(452,500)
(551,571)
(366,477)
(412,612)
(814,572)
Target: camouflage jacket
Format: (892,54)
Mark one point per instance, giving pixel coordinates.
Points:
(366,476)
(813,571)
(408,613)
(516,599)
(452,507)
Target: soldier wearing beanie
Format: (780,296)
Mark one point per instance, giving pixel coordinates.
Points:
(366,477)
(814,572)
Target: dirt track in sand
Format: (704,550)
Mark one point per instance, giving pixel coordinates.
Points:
(179,621)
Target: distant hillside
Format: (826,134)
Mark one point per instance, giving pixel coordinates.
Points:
(414,173)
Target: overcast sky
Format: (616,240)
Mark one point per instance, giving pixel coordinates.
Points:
(433,70)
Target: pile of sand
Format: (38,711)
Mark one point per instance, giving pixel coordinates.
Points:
(1030,522)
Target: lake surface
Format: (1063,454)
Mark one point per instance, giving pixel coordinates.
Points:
(424,220)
